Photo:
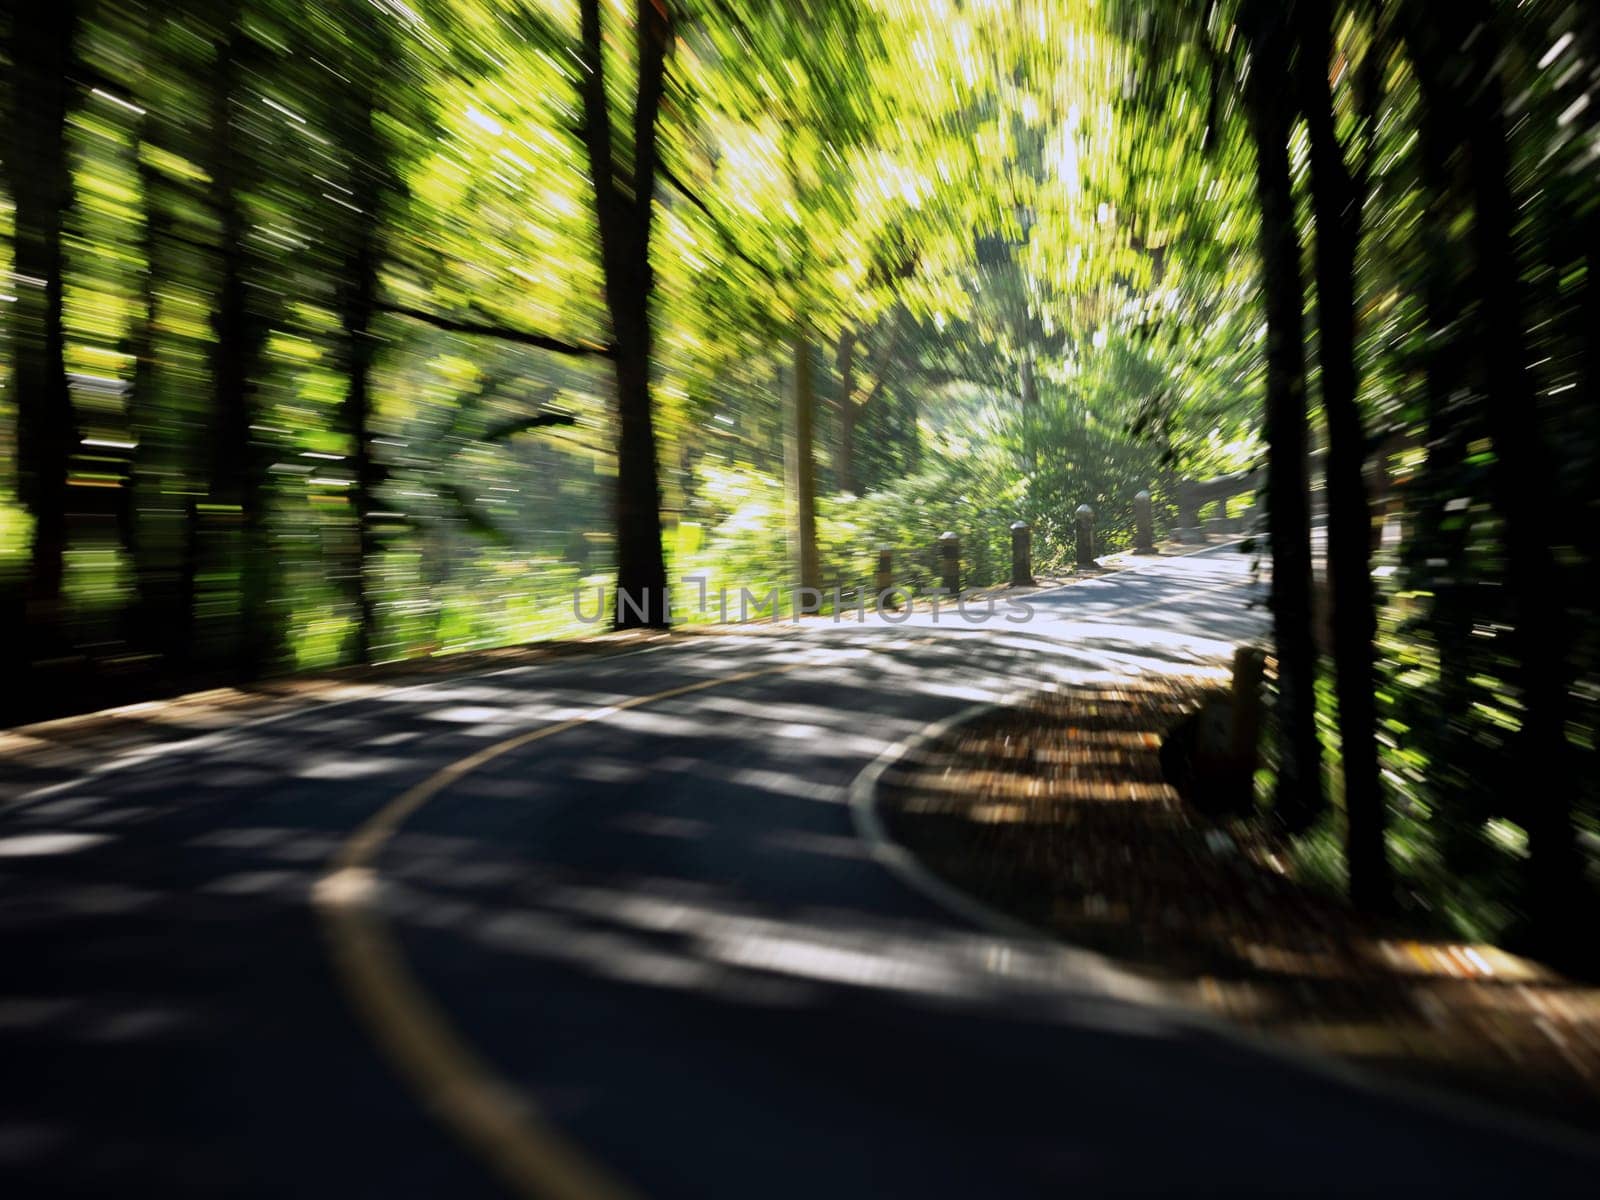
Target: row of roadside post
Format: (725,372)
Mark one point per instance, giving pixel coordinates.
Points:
(1022,549)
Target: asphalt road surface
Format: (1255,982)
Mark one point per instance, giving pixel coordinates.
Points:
(610,926)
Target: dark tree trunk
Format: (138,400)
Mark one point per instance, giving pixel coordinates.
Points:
(1525,499)
(854,410)
(1587,509)
(1589,316)
(1299,797)
(151,555)
(802,460)
(845,455)
(358,421)
(1337,207)
(40,183)
(641,569)
(156,535)
(910,432)
(624,216)
(1437,553)
(360,305)
(236,514)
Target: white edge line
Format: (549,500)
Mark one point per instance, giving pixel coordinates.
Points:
(1133,988)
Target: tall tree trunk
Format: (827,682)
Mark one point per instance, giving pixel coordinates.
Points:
(802,459)
(149,553)
(1030,414)
(156,535)
(1299,797)
(236,513)
(1338,228)
(910,432)
(1587,514)
(1589,318)
(358,422)
(40,183)
(853,409)
(1525,500)
(1436,554)
(624,217)
(641,568)
(360,303)
(845,453)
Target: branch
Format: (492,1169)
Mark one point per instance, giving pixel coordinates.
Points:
(885,359)
(1369,83)
(654,45)
(467,406)
(509,429)
(1218,71)
(671,177)
(91,78)
(1329,168)
(475,519)
(597,119)
(938,377)
(503,333)
(895,263)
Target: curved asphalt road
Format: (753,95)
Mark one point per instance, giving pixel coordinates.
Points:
(639,946)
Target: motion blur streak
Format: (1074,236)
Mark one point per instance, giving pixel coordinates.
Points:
(379,379)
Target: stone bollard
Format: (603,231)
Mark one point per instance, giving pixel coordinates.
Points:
(885,580)
(950,562)
(1085,522)
(1144,531)
(1021,554)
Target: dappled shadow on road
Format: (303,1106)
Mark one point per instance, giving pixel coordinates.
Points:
(157,913)
(658,923)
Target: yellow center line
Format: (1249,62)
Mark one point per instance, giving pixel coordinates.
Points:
(452,1079)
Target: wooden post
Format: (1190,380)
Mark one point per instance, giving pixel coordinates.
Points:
(1021,554)
(950,561)
(1249,667)
(885,580)
(1144,530)
(1085,522)
(1238,779)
